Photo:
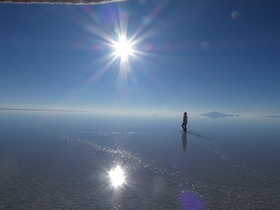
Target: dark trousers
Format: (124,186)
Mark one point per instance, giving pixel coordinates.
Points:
(184,126)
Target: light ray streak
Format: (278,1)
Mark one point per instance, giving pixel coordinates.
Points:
(102,71)
(155,29)
(73,95)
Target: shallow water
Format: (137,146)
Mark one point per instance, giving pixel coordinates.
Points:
(62,161)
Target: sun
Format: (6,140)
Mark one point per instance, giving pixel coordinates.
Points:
(123,48)
(117,177)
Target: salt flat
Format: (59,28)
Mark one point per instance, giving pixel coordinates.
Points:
(66,165)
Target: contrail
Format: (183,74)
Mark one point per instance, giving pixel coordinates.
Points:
(78,2)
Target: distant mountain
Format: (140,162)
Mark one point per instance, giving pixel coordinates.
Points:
(215,115)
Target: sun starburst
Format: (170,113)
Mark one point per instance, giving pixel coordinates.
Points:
(123,48)
(118,44)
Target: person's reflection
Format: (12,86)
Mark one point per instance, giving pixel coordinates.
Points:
(184,140)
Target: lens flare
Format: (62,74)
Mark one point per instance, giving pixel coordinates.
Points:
(235,15)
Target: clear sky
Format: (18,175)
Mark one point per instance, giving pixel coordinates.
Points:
(187,55)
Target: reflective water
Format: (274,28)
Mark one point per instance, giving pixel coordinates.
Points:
(65,161)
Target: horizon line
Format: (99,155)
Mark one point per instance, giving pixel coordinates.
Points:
(43,110)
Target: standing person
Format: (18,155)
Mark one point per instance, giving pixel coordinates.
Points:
(185,122)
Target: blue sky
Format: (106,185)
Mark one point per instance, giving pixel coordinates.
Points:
(195,56)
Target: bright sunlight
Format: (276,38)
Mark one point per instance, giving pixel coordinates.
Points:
(123,48)
(117,176)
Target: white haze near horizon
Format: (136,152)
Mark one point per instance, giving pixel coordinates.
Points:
(238,126)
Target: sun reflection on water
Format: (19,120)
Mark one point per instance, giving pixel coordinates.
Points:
(117,176)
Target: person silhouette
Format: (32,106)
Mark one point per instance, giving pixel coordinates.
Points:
(185,122)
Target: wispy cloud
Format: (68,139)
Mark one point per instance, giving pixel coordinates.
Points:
(59,1)
(215,115)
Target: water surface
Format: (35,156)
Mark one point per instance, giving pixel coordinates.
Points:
(62,161)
